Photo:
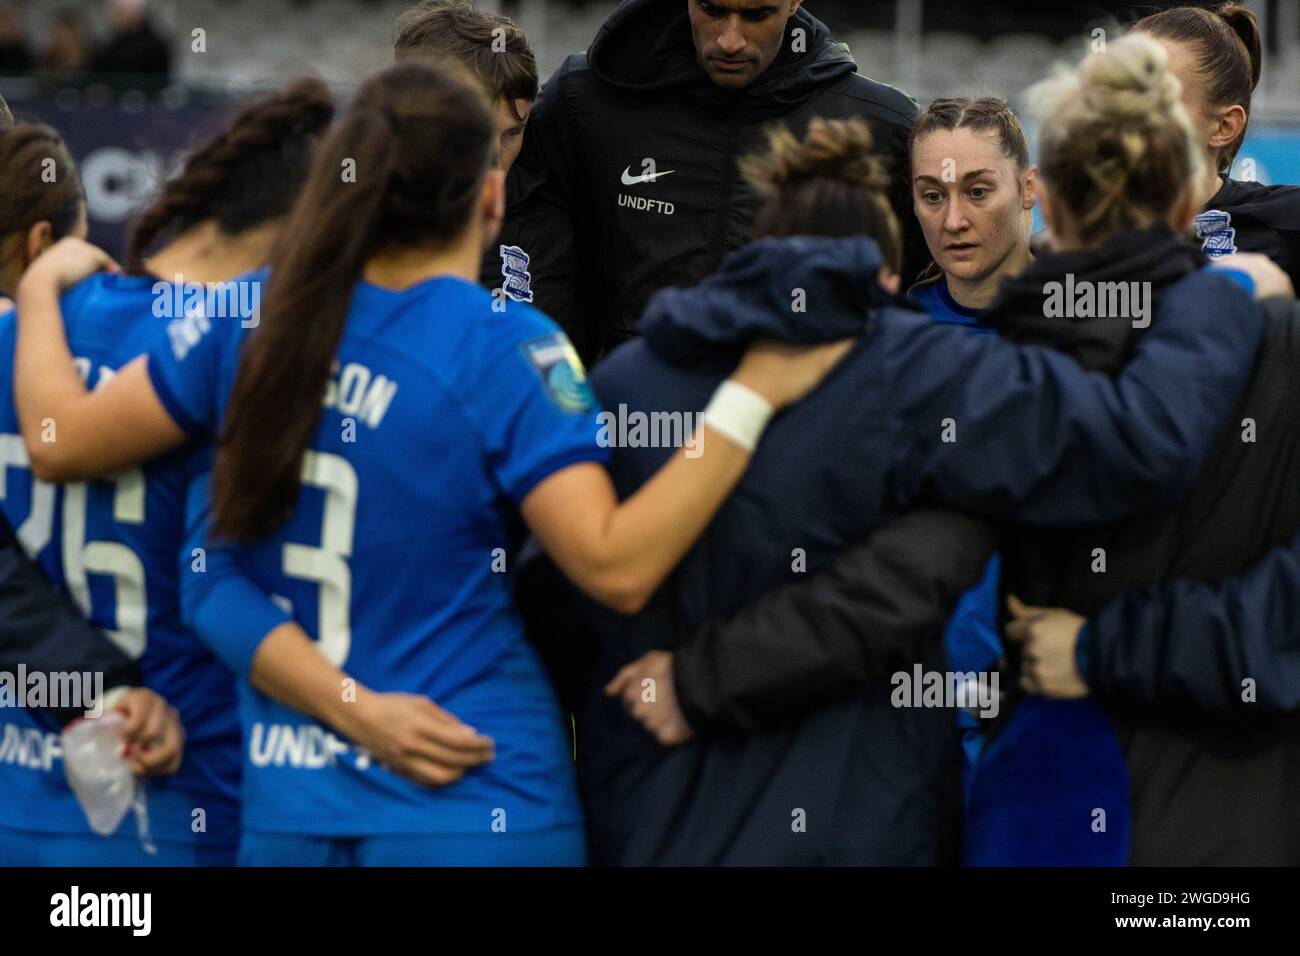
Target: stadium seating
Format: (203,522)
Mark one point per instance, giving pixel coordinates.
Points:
(251,43)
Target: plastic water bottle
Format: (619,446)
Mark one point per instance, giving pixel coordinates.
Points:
(95,761)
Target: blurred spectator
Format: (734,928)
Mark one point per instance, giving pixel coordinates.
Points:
(135,49)
(68,49)
(15,55)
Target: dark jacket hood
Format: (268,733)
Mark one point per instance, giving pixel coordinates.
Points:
(1156,255)
(646,45)
(755,293)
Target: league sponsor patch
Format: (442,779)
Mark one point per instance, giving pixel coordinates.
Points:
(556,361)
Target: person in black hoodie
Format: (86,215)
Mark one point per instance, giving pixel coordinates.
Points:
(856,780)
(1217,55)
(628,179)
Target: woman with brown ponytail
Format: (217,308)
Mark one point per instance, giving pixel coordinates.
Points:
(386,517)
(117,545)
(1216,54)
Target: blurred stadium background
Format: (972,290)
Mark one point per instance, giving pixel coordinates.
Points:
(129,99)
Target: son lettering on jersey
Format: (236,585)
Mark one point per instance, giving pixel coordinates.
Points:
(357,392)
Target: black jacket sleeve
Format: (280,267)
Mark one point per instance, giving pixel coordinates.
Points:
(43,630)
(1190,643)
(870,611)
(540,218)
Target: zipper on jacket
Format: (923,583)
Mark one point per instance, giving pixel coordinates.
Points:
(728,178)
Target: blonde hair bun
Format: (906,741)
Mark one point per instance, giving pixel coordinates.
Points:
(1116,145)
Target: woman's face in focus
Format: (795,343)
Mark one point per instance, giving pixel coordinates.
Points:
(971,200)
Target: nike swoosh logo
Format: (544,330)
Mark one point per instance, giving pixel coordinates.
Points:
(630,180)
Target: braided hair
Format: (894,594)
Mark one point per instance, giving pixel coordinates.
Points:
(247,174)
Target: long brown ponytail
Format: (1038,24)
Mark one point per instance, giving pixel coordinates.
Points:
(402,166)
(248,174)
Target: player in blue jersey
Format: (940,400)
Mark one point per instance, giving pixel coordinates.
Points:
(41,202)
(114,544)
(385,514)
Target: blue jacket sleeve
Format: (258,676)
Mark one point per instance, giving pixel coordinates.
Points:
(41,628)
(1032,436)
(1196,644)
(220,600)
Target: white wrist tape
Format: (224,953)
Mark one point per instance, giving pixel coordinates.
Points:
(739,413)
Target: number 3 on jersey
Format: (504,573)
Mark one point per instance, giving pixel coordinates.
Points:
(327,564)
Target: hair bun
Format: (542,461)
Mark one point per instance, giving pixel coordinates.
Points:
(1115,143)
(831,149)
(1130,79)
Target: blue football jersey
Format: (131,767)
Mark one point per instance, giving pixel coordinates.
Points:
(935,299)
(439,416)
(116,547)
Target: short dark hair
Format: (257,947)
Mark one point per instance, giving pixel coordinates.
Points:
(493,48)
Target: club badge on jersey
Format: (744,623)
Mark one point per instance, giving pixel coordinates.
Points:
(557,362)
(516,281)
(1214,229)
